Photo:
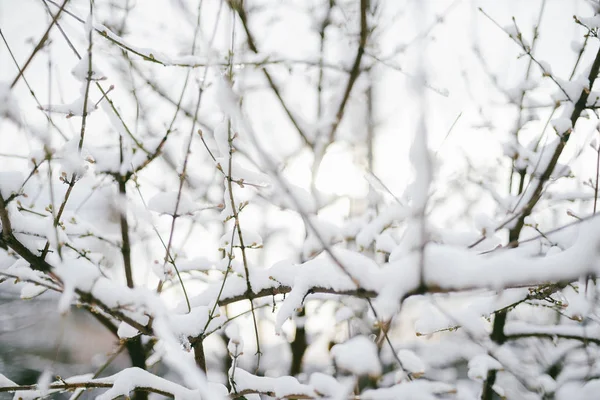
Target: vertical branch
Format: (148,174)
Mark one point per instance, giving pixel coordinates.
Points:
(298,346)
(238,7)
(125,244)
(40,44)
(597,175)
(519,124)
(355,70)
(89,77)
(199,357)
(420,157)
(499,338)
(182,176)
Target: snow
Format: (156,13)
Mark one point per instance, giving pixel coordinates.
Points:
(131,378)
(412,363)
(195,264)
(81,70)
(307,203)
(4,381)
(480,365)
(590,22)
(221,135)
(241,174)
(562,125)
(73,161)
(75,108)
(251,239)
(236,342)
(576,390)
(576,331)
(9,107)
(446,268)
(326,231)
(31,290)
(10,183)
(410,255)
(471,314)
(172,203)
(44,382)
(326,385)
(285,386)
(192,324)
(392,214)
(344,314)
(415,390)
(357,355)
(385,243)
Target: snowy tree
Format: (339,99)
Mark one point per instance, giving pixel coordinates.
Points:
(352,199)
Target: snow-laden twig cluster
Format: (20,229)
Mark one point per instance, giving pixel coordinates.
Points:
(183,203)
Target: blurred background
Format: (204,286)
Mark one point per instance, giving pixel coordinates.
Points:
(451,62)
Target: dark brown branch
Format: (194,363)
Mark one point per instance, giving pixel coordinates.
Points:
(298,347)
(199,357)
(39,46)
(283,289)
(239,8)
(499,338)
(126,243)
(580,105)
(551,336)
(355,71)
(82,385)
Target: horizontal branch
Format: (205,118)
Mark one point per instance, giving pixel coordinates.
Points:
(80,385)
(283,289)
(107,385)
(552,336)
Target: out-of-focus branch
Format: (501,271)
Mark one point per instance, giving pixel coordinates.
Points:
(355,71)
(40,44)
(580,105)
(239,9)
